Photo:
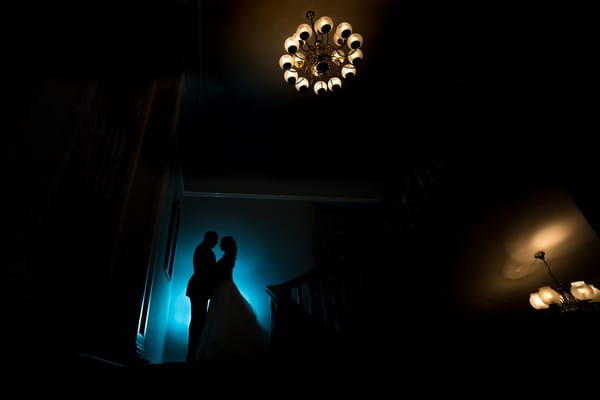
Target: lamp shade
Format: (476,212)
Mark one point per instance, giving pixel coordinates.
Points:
(536,302)
(320,87)
(356,57)
(338,39)
(304,31)
(344,29)
(355,41)
(348,71)
(301,84)
(324,24)
(290,76)
(291,45)
(596,297)
(286,61)
(334,84)
(301,42)
(549,295)
(581,290)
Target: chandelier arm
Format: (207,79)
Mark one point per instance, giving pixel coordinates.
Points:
(567,299)
(310,15)
(556,281)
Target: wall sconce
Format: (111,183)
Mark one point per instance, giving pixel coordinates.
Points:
(319,56)
(576,298)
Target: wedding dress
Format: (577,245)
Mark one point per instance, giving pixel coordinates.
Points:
(231,330)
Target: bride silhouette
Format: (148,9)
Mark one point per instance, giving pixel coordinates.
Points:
(231,330)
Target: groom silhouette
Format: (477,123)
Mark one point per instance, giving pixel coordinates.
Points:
(200,288)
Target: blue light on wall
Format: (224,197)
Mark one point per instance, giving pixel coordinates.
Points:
(274,240)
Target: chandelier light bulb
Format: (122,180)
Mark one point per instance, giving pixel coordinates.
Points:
(324,25)
(355,41)
(596,297)
(286,61)
(302,84)
(334,84)
(301,42)
(338,39)
(344,29)
(291,45)
(304,31)
(320,87)
(549,295)
(290,76)
(536,302)
(348,71)
(356,57)
(582,291)
(315,55)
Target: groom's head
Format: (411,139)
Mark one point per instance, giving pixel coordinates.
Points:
(211,238)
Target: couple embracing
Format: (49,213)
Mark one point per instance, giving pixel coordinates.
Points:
(223,325)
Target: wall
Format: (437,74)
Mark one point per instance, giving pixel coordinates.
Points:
(84,171)
(275,243)
(159,162)
(154,318)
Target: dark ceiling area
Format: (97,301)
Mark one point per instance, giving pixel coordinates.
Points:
(494,95)
(393,113)
(484,88)
(489,93)
(458,84)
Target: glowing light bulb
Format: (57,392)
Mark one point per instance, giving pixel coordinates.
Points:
(355,41)
(286,61)
(581,290)
(302,84)
(348,71)
(320,87)
(549,295)
(334,84)
(291,45)
(304,31)
(344,29)
(290,76)
(536,302)
(324,24)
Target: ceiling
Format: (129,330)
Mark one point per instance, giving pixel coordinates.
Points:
(243,123)
(487,86)
(436,84)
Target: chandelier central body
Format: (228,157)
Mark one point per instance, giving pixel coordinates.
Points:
(314,59)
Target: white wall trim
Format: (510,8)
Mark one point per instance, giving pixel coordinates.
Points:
(258,196)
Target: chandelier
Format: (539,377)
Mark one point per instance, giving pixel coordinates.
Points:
(576,298)
(314,59)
